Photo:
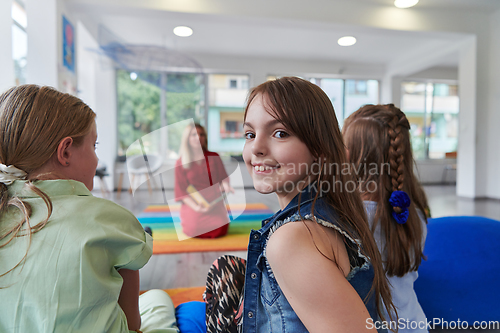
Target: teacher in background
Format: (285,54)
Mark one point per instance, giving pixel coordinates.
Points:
(199,174)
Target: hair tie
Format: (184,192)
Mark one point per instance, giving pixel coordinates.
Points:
(400,201)
(10,173)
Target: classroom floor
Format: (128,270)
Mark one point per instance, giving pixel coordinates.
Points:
(166,271)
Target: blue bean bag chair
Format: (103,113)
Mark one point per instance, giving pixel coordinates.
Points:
(191,317)
(461,277)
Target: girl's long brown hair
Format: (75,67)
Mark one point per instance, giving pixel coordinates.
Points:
(378,140)
(33,121)
(305,110)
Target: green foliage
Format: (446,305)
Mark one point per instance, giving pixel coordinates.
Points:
(139,105)
(138,109)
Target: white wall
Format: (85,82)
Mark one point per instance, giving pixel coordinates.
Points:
(436,73)
(491,128)
(43,42)
(466,153)
(97,88)
(7,78)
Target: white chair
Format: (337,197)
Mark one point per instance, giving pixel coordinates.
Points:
(450,166)
(139,165)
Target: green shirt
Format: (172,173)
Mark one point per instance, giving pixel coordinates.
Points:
(69,281)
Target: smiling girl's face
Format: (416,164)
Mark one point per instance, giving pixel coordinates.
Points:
(275,158)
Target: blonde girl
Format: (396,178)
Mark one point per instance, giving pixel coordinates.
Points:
(70,261)
(378,143)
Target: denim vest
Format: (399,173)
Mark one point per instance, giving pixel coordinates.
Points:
(265,307)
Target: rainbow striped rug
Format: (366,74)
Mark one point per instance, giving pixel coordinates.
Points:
(161,219)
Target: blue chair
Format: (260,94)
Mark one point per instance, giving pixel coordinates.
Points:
(460,279)
(191,317)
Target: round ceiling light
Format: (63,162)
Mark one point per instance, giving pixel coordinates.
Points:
(347,41)
(405,3)
(183,31)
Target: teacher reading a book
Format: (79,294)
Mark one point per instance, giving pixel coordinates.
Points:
(200,184)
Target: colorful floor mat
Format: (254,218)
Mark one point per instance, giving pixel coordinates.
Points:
(161,218)
(182,295)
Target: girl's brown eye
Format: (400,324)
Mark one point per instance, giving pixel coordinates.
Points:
(249,135)
(281,134)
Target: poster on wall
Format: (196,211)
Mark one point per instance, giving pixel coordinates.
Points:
(68,45)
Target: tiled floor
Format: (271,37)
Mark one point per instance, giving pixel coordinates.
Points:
(190,269)
(443,202)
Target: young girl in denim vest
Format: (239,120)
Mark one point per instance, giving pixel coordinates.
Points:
(69,261)
(378,143)
(313,266)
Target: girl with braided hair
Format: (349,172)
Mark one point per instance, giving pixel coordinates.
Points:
(377,139)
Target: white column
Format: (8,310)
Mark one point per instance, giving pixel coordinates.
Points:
(43,32)
(466,157)
(97,88)
(7,78)
(492,177)
(386,89)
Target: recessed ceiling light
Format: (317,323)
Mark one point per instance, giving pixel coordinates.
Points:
(183,31)
(405,3)
(347,41)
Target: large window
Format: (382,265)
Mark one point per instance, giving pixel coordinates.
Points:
(144,107)
(19,41)
(432,110)
(148,101)
(348,95)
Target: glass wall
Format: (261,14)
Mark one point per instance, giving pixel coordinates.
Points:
(140,110)
(148,101)
(432,110)
(144,107)
(348,95)
(359,93)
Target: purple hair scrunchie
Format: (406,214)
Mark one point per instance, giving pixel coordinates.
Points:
(402,200)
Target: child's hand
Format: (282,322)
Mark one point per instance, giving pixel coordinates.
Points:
(201,209)
(227,187)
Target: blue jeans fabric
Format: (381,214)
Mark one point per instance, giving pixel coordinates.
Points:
(265,307)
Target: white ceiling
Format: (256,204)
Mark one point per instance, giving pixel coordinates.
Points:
(233,32)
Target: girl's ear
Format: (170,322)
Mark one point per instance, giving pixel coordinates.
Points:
(64,151)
